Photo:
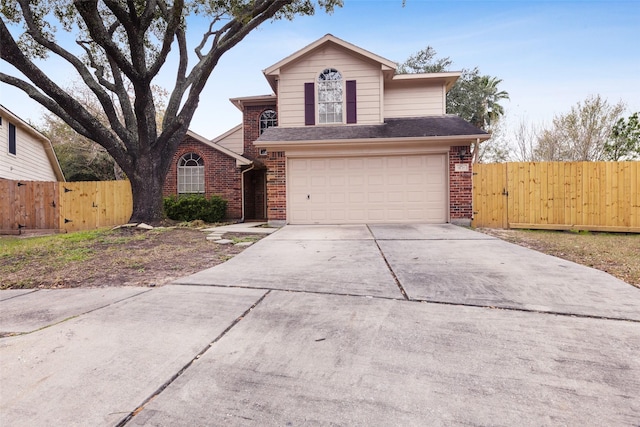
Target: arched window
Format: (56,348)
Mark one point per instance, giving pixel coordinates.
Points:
(268,119)
(330,96)
(190,174)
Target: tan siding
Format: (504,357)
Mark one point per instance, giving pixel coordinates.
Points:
(4,148)
(408,99)
(294,76)
(232,141)
(29,163)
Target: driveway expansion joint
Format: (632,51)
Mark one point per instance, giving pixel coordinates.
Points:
(527,310)
(20,295)
(393,274)
(137,410)
(7,334)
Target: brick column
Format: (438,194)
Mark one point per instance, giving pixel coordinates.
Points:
(460,185)
(276,188)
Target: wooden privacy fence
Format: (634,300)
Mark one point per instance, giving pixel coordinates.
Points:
(67,206)
(597,196)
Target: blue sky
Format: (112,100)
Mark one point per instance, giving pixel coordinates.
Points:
(550,55)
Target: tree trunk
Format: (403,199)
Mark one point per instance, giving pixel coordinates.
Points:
(147,181)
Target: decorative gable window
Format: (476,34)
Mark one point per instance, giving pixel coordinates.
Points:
(190,174)
(330,96)
(331,99)
(268,119)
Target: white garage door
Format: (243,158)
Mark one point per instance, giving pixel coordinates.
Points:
(367,189)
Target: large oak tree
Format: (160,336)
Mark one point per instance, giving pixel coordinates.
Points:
(121,46)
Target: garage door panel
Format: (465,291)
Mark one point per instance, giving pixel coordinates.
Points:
(415,178)
(318,165)
(395,197)
(337,164)
(336,180)
(416,214)
(375,179)
(337,198)
(355,164)
(356,197)
(415,197)
(339,215)
(417,162)
(299,165)
(318,181)
(374,163)
(375,215)
(368,189)
(357,215)
(355,180)
(395,179)
(375,197)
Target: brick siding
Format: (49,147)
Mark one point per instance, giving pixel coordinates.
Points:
(460,184)
(251,129)
(275,178)
(276,186)
(221,176)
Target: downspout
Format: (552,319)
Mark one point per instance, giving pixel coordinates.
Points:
(253,166)
(476,149)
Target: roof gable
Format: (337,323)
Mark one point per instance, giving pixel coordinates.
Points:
(272,72)
(240,160)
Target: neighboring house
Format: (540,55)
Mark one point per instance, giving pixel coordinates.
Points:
(343,139)
(26,154)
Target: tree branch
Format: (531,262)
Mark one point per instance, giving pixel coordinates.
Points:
(135,35)
(174,22)
(148,14)
(226,38)
(180,86)
(88,10)
(56,100)
(109,143)
(85,74)
(206,36)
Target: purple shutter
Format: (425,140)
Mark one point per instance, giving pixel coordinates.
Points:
(309,104)
(351,102)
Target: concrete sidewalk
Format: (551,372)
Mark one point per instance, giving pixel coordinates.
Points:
(322,325)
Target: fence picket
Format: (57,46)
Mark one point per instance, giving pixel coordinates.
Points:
(599,196)
(68,206)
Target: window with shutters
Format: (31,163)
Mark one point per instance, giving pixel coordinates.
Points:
(190,174)
(330,96)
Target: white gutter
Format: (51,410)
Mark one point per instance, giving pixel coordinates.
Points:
(370,141)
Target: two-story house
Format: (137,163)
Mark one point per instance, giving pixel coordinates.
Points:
(343,139)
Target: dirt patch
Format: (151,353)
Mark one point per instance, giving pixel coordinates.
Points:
(122,257)
(615,253)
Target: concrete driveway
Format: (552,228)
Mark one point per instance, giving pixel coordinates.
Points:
(334,325)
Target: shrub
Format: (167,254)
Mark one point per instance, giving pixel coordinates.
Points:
(192,207)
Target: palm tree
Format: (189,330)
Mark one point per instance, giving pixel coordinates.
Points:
(476,98)
(492,97)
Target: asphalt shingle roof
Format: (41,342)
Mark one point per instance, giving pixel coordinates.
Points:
(415,127)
